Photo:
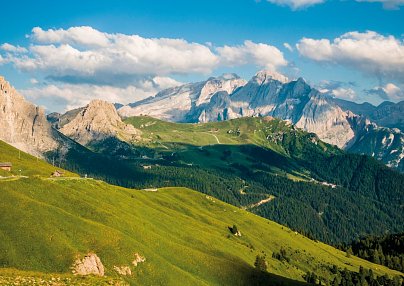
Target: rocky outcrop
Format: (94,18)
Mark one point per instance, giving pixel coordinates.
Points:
(98,121)
(22,124)
(138,259)
(89,265)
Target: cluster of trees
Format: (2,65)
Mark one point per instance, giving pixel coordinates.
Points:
(349,278)
(281,255)
(387,250)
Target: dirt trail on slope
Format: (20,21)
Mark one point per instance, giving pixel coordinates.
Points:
(261,202)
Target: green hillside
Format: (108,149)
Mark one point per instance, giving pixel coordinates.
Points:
(24,164)
(316,188)
(184,235)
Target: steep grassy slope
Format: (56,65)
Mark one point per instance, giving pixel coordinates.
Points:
(244,162)
(25,164)
(183,235)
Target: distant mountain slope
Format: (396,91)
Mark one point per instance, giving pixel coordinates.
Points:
(183,235)
(335,121)
(387,114)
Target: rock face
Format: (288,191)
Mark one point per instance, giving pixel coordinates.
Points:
(22,124)
(90,265)
(180,103)
(95,122)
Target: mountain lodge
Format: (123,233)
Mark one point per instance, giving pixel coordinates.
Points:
(6,166)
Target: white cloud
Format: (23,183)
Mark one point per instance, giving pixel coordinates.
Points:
(344,93)
(262,55)
(13,49)
(33,81)
(288,47)
(369,52)
(81,63)
(68,96)
(83,35)
(88,53)
(387,4)
(388,92)
(84,51)
(296,4)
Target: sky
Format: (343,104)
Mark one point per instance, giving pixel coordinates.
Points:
(63,55)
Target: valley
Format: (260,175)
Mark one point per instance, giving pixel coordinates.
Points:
(182,234)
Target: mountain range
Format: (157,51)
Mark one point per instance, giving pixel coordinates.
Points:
(150,228)
(359,128)
(243,161)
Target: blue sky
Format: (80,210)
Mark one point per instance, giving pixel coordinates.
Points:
(355,63)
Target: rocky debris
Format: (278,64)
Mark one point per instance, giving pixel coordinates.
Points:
(98,121)
(138,259)
(90,264)
(123,270)
(22,124)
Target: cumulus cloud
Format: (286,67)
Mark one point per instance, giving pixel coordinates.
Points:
(67,96)
(344,93)
(339,89)
(369,52)
(84,53)
(296,4)
(262,55)
(13,49)
(387,4)
(388,92)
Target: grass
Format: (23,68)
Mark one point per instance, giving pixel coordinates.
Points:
(203,144)
(184,236)
(25,164)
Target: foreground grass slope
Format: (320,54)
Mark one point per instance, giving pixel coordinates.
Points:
(46,223)
(25,164)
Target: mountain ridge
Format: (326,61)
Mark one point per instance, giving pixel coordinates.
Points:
(269,94)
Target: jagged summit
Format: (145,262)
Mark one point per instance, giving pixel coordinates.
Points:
(178,103)
(264,76)
(97,121)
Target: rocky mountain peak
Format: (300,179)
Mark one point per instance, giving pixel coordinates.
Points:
(97,121)
(226,82)
(265,76)
(22,124)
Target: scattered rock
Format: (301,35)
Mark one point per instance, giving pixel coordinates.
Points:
(90,264)
(123,270)
(138,259)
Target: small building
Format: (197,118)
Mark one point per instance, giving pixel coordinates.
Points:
(146,167)
(57,173)
(6,166)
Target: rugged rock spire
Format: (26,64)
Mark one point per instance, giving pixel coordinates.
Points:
(22,124)
(98,121)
